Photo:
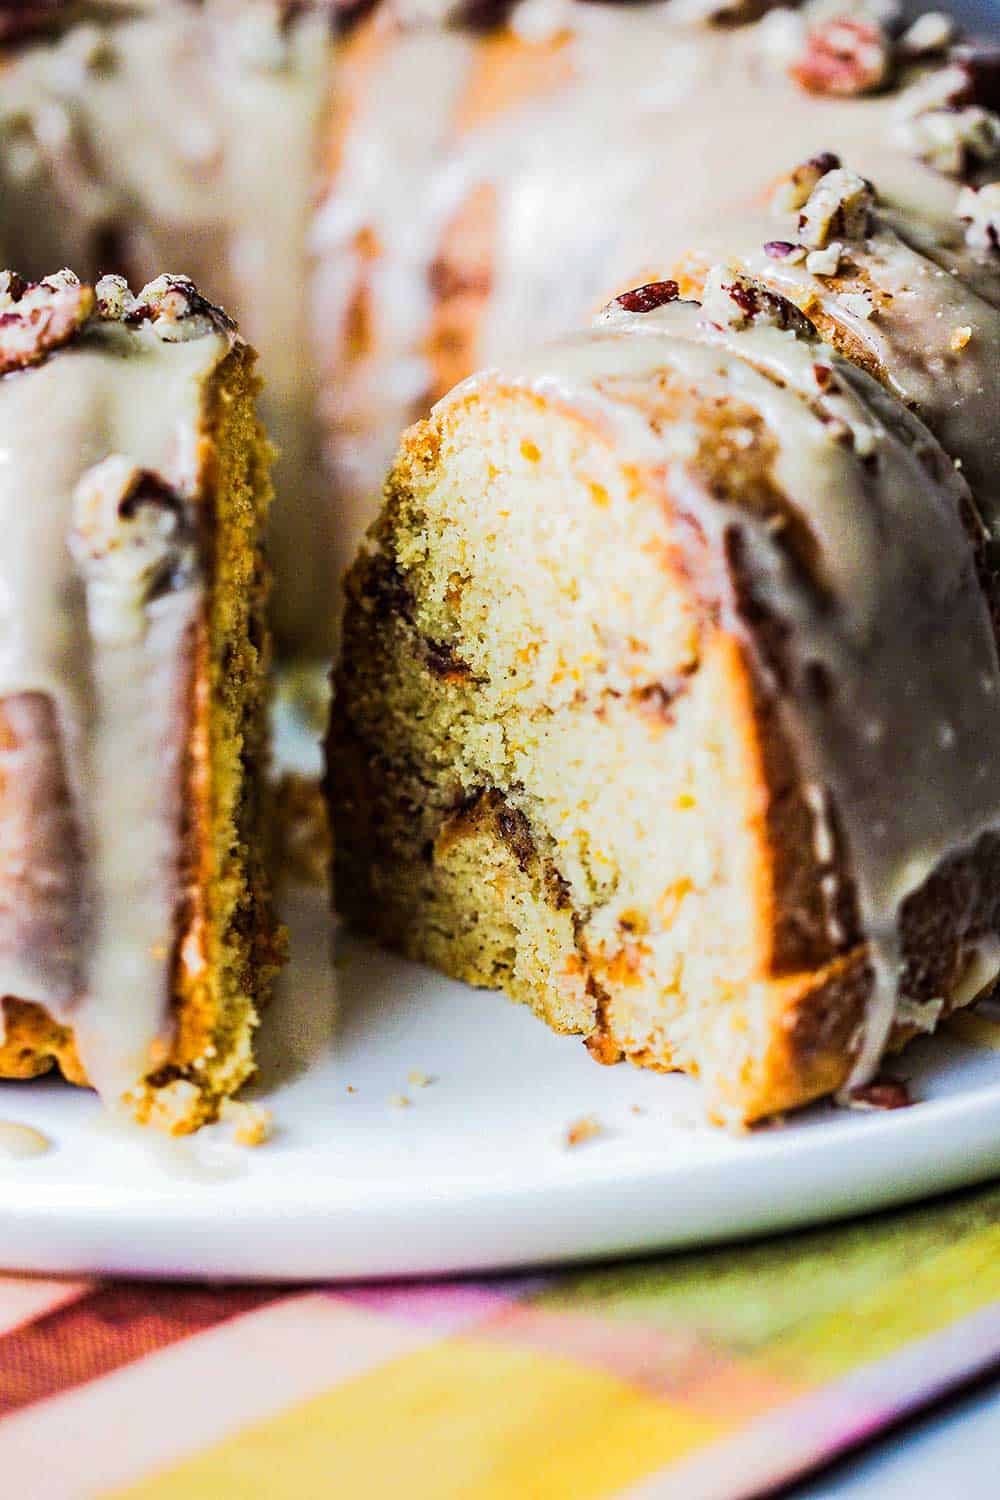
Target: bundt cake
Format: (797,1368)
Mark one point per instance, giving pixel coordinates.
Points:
(389,196)
(669,702)
(136,936)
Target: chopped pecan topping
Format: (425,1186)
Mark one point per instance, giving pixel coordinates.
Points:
(792,192)
(643,299)
(946,88)
(733,299)
(39,317)
(176,311)
(825,262)
(930,33)
(837,208)
(951,118)
(979,209)
(953,141)
(845,55)
(130,540)
(114,299)
(884,1093)
(12,288)
(784,250)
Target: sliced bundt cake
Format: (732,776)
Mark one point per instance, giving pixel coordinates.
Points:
(136,936)
(669,703)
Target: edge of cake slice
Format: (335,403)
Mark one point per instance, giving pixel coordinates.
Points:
(668,704)
(137,937)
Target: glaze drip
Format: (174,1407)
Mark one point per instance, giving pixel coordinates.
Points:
(101,586)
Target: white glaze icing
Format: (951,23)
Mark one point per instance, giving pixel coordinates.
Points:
(928,291)
(82,630)
(906,744)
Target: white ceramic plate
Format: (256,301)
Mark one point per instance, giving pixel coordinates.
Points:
(475,1172)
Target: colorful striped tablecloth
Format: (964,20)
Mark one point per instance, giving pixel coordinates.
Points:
(701,1376)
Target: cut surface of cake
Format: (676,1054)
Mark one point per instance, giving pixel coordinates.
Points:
(136,934)
(668,702)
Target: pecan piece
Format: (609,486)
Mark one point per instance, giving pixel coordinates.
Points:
(784,250)
(175,310)
(953,141)
(792,192)
(734,300)
(844,56)
(114,299)
(643,299)
(979,209)
(825,262)
(930,33)
(837,208)
(39,317)
(883,1093)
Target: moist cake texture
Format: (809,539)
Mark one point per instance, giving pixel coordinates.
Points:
(136,937)
(668,702)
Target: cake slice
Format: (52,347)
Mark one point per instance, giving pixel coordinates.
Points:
(136,935)
(669,703)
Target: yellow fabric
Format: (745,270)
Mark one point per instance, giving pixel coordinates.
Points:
(937,1293)
(465,1420)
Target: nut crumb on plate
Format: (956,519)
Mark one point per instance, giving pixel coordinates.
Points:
(586,1128)
(882,1094)
(252,1124)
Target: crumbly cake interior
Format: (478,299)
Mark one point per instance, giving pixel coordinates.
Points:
(232,947)
(557,784)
